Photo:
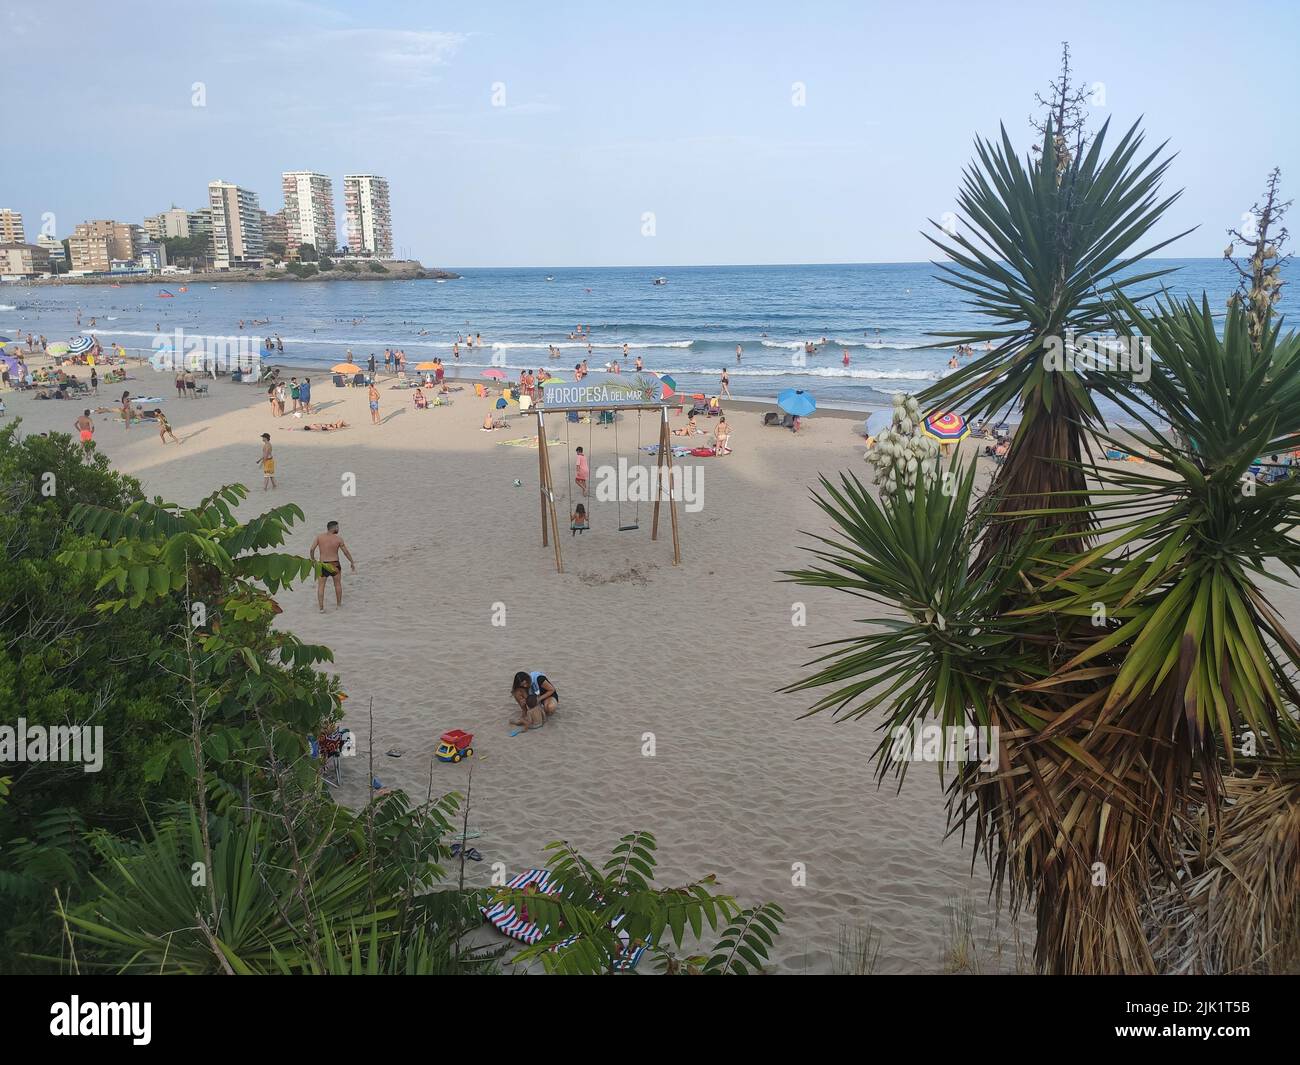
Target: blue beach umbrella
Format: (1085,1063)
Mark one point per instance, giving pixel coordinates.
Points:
(797,402)
(80,345)
(501,404)
(879,420)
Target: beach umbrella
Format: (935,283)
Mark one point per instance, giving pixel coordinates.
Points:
(946,427)
(80,345)
(878,421)
(346,367)
(796,401)
(496,375)
(57,349)
(669,381)
(501,404)
(426,365)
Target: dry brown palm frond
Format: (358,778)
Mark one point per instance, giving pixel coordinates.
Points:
(1235,907)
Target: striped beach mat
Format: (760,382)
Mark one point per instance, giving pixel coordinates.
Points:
(506,918)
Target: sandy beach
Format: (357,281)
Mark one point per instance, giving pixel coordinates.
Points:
(780,809)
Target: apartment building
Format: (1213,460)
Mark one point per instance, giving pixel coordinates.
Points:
(369,220)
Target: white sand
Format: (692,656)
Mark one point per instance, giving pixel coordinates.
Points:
(692,654)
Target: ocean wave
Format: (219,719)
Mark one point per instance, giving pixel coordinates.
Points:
(613,345)
(874,345)
(885,374)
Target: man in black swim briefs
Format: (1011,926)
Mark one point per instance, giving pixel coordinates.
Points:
(330,543)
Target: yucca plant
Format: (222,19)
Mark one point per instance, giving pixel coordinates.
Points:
(1138,644)
(148,914)
(1051,240)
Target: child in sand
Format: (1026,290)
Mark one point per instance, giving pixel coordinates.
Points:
(537,699)
(583,472)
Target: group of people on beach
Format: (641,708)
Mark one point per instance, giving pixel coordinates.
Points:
(296,392)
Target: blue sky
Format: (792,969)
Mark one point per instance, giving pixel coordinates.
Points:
(614,110)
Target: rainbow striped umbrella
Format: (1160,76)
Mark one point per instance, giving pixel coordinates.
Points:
(946,427)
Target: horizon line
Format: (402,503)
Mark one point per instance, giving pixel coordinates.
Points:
(715,266)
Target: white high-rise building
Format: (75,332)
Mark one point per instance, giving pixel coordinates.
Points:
(236,226)
(370,223)
(309,211)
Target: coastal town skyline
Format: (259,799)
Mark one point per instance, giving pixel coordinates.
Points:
(230,231)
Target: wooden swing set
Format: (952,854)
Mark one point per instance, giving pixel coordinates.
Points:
(663,472)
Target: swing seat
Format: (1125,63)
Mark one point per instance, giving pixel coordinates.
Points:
(629,528)
(575,528)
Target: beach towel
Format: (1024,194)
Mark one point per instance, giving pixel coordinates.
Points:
(526,441)
(506,918)
(703,452)
(679,451)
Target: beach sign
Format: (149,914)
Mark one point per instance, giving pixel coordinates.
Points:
(605,390)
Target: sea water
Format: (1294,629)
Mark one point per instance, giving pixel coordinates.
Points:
(883,315)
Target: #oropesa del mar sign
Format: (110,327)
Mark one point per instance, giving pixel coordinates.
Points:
(605,390)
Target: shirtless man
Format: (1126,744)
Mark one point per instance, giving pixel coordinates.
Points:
(85,428)
(267,462)
(329,544)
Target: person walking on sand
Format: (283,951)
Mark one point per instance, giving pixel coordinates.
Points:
(164,426)
(329,544)
(126,410)
(373,395)
(268,464)
(583,473)
(85,428)
(726,387)
(94,380)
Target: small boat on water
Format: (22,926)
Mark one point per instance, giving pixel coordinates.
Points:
(549,277)
(659,281)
